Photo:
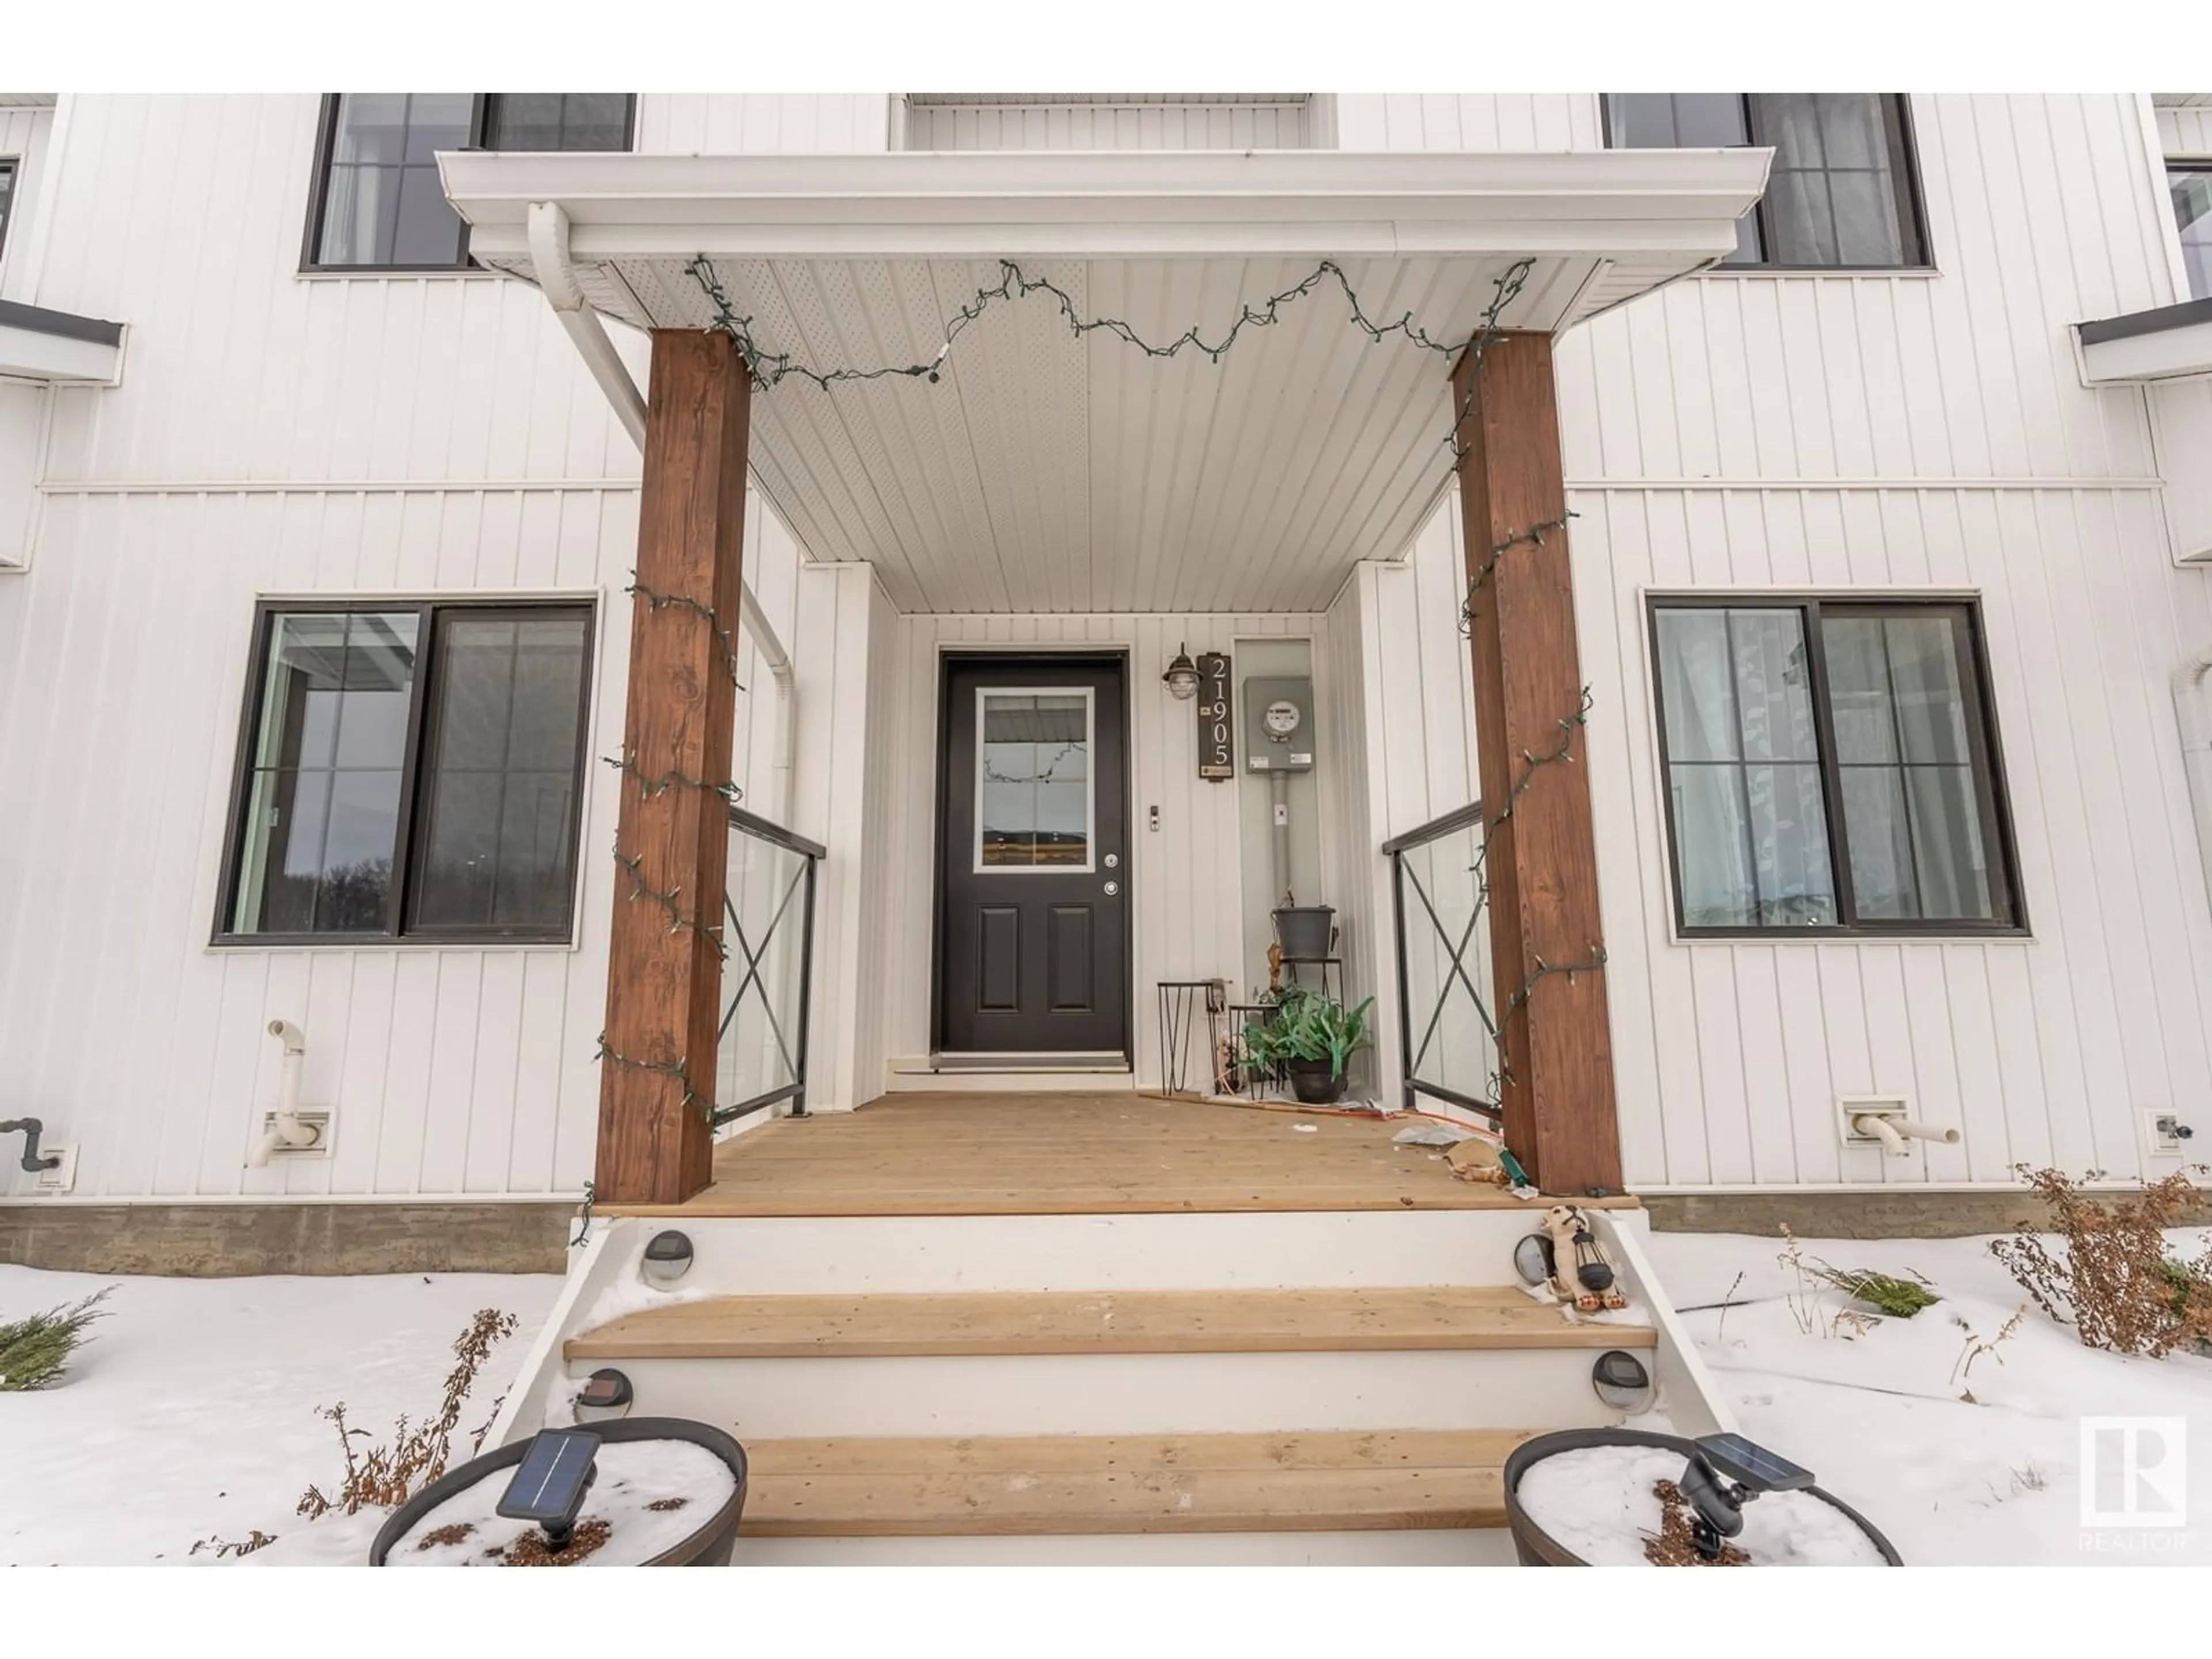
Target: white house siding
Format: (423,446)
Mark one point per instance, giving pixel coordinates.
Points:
(754,123)
(1894,434)
(1186,881)
(1111,125)
(1484,121)
(277,433)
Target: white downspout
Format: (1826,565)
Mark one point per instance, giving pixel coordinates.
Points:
(2196,723)
(557,278)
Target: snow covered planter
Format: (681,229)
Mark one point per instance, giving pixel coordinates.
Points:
(668,1493)
(1592,1497)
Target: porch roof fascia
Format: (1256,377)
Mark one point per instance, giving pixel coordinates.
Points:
(1111,204)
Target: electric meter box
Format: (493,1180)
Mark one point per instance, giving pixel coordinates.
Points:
(1279,724)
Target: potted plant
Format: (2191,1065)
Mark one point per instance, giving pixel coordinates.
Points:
(1312,1036)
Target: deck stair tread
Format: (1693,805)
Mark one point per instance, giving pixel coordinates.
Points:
(1088,1484)
(1332,1319)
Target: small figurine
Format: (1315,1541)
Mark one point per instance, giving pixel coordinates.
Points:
(1581,1273)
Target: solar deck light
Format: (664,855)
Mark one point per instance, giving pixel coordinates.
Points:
(1182,677)
(1531,1259)
(1726,1472)
(606,1393)
(550,1482)
(1622,1382)
(668,1257)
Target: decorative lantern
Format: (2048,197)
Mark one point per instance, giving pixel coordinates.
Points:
(1182,677)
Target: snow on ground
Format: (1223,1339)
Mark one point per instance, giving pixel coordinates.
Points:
(190,1410)
(1879,1419)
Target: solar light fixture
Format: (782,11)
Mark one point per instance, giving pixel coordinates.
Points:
(550,1482)
(1182,677)
(668,1257)
(1726,1472)
(1622,1381)
(1531,1259)
(606,1393)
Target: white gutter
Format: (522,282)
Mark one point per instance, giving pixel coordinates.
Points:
(557,278)
(2196,723)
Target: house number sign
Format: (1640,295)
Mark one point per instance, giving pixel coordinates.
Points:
(1216,760)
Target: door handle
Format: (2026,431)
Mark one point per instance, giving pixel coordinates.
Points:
(1112,888)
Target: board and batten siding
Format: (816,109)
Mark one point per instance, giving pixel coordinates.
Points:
(2185,130)
(1109,124)
(1889,433)
(282,434)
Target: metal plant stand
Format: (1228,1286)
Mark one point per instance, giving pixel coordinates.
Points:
(1179,1000)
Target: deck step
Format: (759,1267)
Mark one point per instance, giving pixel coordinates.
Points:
(1319,1320)
(1087,1486)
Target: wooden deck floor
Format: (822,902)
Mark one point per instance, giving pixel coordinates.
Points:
(1074,1154)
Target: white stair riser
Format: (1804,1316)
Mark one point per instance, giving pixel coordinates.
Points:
(896,1255)
(1472,1547)
(1123,1393)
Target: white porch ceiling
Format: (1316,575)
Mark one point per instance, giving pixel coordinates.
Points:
(1042,473)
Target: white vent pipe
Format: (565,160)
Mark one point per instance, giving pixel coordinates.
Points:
(557,279)
(1894,1131)
(285,1128)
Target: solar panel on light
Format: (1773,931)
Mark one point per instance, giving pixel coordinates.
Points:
(1752,1464)
(550,1484)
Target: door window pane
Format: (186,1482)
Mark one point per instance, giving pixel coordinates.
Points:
(1033,780)
(322,810)
(2193,214)
(498,811)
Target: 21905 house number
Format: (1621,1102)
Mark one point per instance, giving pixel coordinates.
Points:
(1217,762)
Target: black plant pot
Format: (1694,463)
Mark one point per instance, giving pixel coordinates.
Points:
(1537,1548)
(1305,931)
(1316,1082)
(708,1546)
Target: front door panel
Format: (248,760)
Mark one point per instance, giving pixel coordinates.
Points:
(1032,929)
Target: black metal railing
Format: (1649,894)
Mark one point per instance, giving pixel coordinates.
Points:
(768,927)
(1445,1030)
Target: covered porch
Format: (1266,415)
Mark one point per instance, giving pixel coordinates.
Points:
(1084,403)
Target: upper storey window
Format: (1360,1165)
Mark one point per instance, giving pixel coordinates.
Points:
(378,204)
(1843,194)
(2192,183)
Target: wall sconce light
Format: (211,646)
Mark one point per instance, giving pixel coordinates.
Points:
(606,1395)
(1622,1382)
(1182,677)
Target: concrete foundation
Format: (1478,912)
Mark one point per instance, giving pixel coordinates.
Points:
(226,1240)
(1899,1214)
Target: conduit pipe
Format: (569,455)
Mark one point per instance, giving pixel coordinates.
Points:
(286,1131)
(557,279)
(2196,723)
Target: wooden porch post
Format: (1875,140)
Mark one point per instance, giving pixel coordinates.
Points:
(664,965)
(1556,1051)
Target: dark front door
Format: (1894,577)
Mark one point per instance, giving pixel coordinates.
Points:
(1032,924)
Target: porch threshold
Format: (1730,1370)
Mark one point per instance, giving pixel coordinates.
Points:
(1099,1153)
(1102,1061)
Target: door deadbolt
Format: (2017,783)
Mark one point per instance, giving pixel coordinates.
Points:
(1113,861)
(1112,888)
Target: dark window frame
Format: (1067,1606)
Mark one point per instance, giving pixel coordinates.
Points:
(483,111)
(11,168)
(1905,169)
(424,694)
(1993,795)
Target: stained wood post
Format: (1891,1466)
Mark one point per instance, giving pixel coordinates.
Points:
(1556,1046)
(665,966)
